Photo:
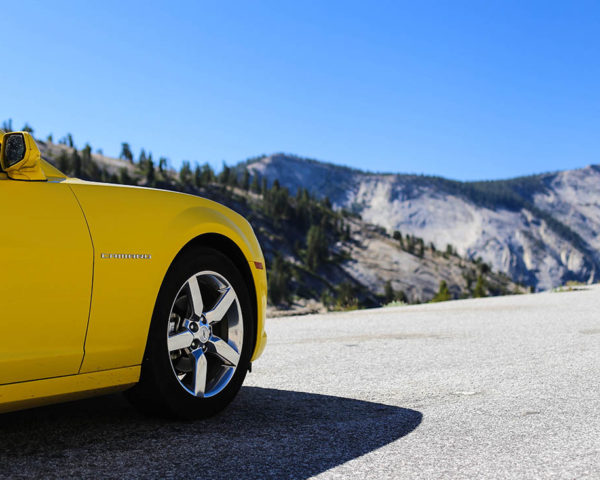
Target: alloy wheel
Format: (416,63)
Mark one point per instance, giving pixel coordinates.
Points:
(205,334)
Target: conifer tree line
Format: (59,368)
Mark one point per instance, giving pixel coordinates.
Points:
(312,222)
(316,225)
(474,277)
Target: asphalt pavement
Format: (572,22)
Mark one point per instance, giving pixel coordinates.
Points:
(505,387)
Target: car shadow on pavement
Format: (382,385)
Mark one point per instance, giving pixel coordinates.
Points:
(265,433)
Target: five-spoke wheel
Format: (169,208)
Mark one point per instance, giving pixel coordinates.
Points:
(205,333)
(201,338)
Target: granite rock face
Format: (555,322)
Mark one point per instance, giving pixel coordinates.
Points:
(369,259)
(541,230)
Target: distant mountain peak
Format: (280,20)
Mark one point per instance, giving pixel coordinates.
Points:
(542,229)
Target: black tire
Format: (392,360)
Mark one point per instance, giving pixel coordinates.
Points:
(159,391)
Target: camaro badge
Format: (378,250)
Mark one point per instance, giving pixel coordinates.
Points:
(126,256)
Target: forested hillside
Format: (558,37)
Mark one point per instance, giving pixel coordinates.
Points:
(317,256)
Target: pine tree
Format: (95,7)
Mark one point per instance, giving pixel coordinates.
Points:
(346,295)
(233,178)
(208,175)
(263,187)
(126,152)
(224,175)
(479,290)
(410,243)
(316,247)
(87,165)
(397,235)
(150,174)
(443,293)
(246,179)
(162,165)
(7,126)
(255,187)
(76,163)
(197,176)
(420,248)
(93,170)
(185,173)
(64,163)
(278,279)
(277,202)
(401,296)
(345,232)
(470,276)
(124,177)
(326,299)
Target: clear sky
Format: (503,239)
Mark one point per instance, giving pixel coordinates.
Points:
(466,90)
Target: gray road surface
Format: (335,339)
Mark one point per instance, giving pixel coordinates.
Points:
(491,388)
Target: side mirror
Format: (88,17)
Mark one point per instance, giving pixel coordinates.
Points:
(20,157)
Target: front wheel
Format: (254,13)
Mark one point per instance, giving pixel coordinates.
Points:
(200,339)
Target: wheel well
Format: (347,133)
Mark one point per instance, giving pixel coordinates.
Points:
(228,248)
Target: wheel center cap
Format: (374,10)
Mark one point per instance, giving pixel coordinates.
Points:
(204,333)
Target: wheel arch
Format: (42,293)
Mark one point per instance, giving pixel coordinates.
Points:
(231,250)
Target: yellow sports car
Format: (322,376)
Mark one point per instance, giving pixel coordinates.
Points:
(108,288)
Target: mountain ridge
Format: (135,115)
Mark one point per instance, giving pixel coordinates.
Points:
(533,243)
(258,158)
(317,258)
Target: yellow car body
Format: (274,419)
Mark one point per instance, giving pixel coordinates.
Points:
(82,264)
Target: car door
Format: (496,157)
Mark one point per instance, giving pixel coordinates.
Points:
(46,268)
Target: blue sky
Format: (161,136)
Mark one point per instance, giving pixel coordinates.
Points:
(466,90)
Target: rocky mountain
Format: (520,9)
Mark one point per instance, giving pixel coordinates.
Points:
(541,230)
(317,257)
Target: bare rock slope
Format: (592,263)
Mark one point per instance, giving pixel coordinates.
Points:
(541,230)
(366,258)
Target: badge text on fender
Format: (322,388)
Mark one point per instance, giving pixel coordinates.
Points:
(126,256)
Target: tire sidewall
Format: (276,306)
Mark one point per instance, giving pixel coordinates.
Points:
(157,363)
